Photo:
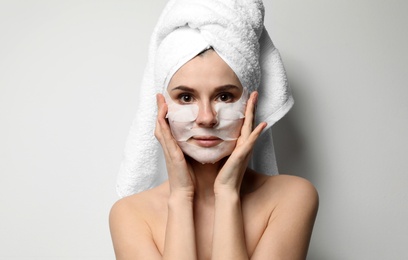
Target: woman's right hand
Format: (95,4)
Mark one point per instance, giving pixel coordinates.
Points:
(178,169)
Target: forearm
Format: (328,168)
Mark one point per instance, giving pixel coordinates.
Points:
(229,236)
(180,234)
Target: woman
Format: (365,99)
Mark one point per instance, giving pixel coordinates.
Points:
(212,206)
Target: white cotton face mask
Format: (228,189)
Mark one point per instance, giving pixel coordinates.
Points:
(183,126)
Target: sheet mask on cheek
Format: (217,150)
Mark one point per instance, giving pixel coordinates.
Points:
(183,126)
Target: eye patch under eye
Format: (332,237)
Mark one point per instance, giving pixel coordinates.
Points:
(230,111)
(189,113)
(182,113)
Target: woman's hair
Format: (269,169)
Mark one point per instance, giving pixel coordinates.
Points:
(201,54)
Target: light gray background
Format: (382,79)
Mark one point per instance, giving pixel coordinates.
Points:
(69,77)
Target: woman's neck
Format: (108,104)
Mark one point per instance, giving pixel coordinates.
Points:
(205,175)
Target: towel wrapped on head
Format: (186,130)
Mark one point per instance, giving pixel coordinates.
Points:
(235,30)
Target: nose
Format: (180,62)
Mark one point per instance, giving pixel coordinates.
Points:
(207,117)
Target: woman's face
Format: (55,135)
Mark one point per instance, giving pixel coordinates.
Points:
(206,105)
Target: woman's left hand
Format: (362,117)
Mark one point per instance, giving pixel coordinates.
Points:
(232,172)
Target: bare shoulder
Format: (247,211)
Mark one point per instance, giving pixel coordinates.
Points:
(290,187)
(280,187)
(286,196)
(289,205)
(280,195)
(132,220)
(139,205)
(294,192)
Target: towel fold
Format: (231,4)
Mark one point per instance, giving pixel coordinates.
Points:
(235,30)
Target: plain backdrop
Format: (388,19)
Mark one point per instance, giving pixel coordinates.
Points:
(69,78)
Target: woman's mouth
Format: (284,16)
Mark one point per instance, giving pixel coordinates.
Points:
(206,141)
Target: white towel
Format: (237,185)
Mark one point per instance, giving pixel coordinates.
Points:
(235,30)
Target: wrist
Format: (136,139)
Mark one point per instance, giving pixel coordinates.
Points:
(180,197)
(225,190)
(227,195)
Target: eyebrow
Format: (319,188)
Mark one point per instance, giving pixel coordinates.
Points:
(227,87)
(217,89)
(183,88)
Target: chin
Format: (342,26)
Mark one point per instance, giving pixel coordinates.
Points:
(222,160)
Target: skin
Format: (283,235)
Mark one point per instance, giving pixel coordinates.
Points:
(214,211)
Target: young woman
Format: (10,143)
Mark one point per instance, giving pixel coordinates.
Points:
(220,210)
(213,206)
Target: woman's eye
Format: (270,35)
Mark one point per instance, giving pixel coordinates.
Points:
(225,97)
(185,98)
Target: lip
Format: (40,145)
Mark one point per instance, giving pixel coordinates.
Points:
(206,141)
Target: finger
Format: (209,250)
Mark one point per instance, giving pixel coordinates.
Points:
(247,145)
(162,106)
(158,132)
(161,113)
(249,115)
(163,129)
(257,132)
(169,144)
